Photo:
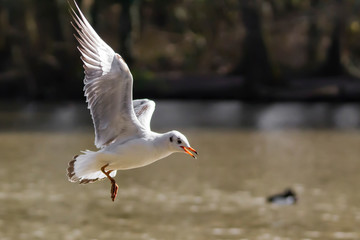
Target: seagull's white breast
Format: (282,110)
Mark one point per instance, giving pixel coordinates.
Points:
(132,154)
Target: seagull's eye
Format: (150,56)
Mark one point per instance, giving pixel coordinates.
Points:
(179,141)
(171,139)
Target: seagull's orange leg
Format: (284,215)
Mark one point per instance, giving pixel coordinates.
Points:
(114,186)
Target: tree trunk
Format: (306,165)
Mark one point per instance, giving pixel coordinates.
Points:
(255,63)
(48,17)
(125,29)
(333,65)
(313,40)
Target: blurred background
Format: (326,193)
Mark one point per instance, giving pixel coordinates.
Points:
(267,91)
(251,50)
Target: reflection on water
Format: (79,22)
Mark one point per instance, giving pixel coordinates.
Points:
(222,195)
(197,114)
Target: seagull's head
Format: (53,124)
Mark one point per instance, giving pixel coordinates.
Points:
(179,143)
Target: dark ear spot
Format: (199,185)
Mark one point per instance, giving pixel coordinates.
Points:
(171,139)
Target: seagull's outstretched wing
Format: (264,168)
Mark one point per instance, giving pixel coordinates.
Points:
(144,109)
(108,86)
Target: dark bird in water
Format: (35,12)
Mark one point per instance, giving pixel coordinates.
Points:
(288,197)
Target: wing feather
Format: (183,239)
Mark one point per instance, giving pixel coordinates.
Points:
(144,109)
(108,86)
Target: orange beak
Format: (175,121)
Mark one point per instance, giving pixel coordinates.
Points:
(188,149)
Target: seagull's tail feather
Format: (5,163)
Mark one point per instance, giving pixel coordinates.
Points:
(83,169)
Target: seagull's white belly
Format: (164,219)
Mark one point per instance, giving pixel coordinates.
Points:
(133,154)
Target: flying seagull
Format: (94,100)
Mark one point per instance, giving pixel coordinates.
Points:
(122,125)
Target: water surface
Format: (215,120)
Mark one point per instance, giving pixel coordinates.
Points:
(247,152)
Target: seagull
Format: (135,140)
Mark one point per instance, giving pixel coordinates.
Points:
(122,125)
